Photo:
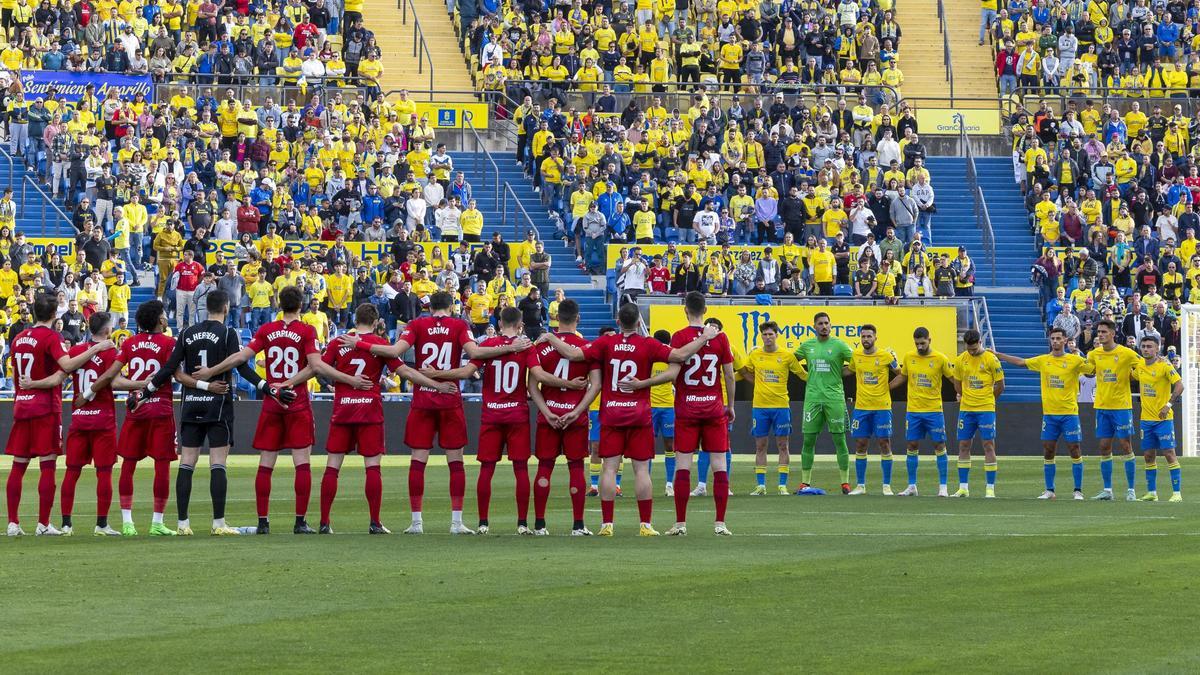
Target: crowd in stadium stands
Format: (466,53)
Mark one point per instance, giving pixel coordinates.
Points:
(153,189)
(650,45)
(832,182)
(1121,48)
(1111,187)
(259,41)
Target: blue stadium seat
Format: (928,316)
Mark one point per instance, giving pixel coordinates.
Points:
(843,289)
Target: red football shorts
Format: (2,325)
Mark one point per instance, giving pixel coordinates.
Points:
(448,424)
(367,439)
(692,434)
(36,437)
(284,431)
(571,442)
(152,437)
(97,446)
(636,443)
(494,439)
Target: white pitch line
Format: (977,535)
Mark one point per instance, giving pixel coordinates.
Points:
(965,535)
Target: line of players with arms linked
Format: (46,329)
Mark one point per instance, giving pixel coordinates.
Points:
(563,374)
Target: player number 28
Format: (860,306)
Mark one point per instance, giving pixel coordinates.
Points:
(282,362)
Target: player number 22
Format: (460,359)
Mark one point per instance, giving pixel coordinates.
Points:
(701,370)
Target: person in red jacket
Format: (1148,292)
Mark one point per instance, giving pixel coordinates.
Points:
(188,273)
(248,216)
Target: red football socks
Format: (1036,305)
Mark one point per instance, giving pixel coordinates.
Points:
(720,493)
(125,484)
(683,490)
(162,484)
(67,499)
(458,485)
(303,488)
(483,489)
(541,488)
(606,511)
(262,490)
(521,473)
(329,485)
(47,483)
(416,485)
(13,490)
(374,490)
(645,509)
(577,482)
(103,491)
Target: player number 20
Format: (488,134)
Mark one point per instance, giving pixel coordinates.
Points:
(701,370)
(283,362)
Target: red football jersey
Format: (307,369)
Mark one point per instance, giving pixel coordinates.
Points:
(355,406)
(34,355)
(700,383)
(144,354)
(99,413)
(287,346)
(561,401)
(438,342)
(619,357)
(505,398)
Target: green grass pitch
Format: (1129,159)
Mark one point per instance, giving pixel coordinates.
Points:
(819,583)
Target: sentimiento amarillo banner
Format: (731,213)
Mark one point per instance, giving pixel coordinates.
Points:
(895,325)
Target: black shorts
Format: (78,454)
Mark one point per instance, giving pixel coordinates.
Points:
(219,434)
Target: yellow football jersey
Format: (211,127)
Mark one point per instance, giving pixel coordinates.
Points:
(872,372)
(1157,380)
(924,373)
(661,395)
(978,375)
(1112,370)
(771,376)
(1060,381)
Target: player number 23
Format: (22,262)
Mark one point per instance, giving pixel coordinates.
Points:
(701,370)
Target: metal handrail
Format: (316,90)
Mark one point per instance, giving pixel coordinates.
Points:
(983,219)
(481,155)
(520,215)
(947,61)
(12,177)
(420,47)
(46,199)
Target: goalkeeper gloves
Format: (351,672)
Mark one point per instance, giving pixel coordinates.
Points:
(284,395)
